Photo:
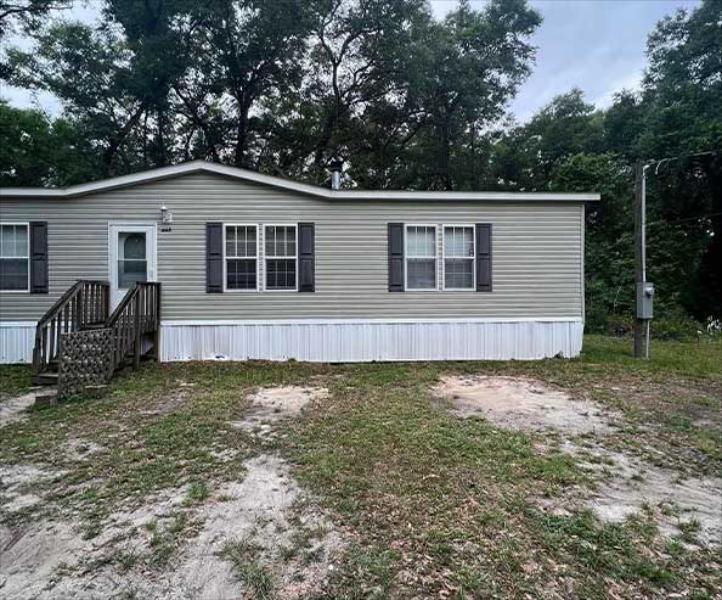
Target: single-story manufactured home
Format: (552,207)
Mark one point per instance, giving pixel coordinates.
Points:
(258,267)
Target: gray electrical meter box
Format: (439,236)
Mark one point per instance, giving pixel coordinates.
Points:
(645,295)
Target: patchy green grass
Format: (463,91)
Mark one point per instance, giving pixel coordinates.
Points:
(434,505)
(197,492)
(14,380)
(255,576)
(154,432)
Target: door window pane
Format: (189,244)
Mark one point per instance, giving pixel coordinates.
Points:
(134,246)
(130,271)
(132,262)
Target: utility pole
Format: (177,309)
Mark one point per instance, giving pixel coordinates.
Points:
(643,290)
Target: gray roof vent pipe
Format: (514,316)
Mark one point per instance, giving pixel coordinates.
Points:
(335,167)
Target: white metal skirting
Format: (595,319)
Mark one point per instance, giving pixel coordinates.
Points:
(372,340)
(16,342)
(344,340)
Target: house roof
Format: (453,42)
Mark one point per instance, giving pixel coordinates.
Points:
(200,166)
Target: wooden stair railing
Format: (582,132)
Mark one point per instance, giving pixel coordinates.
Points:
(86,304)
(137,315)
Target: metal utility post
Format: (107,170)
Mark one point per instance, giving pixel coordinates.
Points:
(644,290)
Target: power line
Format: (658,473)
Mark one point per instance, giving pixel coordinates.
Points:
(661,161)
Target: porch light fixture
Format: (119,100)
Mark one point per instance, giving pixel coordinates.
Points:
(166,217)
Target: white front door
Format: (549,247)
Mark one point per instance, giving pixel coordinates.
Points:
(131,255)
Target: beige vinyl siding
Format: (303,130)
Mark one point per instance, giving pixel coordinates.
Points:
(536,253)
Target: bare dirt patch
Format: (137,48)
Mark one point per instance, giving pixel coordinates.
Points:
(15,409)
(18,486)
(81,449)
(218,543)
(628,486)
(272,404)
(521,403)
(624,485)
(291,537)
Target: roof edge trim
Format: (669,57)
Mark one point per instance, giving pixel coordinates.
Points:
(278,182)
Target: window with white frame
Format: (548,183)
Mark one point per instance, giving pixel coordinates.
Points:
(420,256)
(14,257)
(280,257)
(241,243)
(458,257)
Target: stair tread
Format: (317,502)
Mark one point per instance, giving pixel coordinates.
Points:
(45,378)
(56,322)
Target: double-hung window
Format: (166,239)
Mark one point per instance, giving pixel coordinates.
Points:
(241,266)
(459,257)
(14,257)
(280,257)
(420,257)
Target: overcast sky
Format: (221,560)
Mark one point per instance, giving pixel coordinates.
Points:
(595,45)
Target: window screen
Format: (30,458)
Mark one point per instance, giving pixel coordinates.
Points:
(280,248)
(14,258)
(241,257)
(420,257)
(459,257)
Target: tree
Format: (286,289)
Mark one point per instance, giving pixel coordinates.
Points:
(89,70)
(37,151)
(682,90)
(527,156)
(250,53)
(470,65)
(357,49)
(26,15)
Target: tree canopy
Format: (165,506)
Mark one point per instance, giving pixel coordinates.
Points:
(406,100)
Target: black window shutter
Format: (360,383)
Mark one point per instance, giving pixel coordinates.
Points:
(39,257)
(306,259)
(214,258)
(396,257)
(483,257)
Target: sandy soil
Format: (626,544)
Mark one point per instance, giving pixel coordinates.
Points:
(14,481)
(51,560)
(520,403)
(81,449)
(15,409)
(628,483)
(625,484)
(272,404)
(267,509)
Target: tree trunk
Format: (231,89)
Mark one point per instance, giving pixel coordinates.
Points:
(242,131)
